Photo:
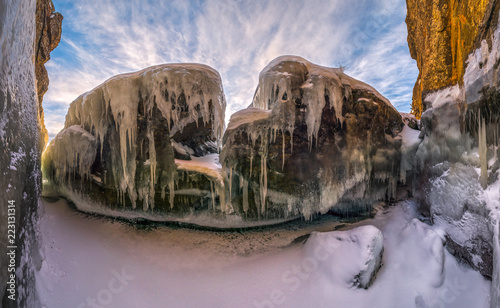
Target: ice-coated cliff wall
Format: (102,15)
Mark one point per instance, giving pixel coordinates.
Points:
(20,126)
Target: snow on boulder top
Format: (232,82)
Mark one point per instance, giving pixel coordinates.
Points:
(287,78)
(287,67)
(246,116)
(207,165)
(163,85)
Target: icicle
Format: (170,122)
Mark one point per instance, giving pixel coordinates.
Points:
(283,151)
(152,166)
(263,182)
(222,197)
(251,161)
(145,203)
(212,194)
(171,188)
(245,195)
(101,139)
(230,184)
(482,151)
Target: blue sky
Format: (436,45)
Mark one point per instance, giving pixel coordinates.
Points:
(103,38)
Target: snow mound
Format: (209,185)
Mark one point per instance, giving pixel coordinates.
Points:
(427,245)
(351,257)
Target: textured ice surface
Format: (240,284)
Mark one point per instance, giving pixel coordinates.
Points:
(482,68)
(409,146)
(72,153)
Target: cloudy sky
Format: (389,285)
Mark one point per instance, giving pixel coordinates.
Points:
(238,38)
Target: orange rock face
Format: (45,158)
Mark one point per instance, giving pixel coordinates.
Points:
(48,35)
(441,34)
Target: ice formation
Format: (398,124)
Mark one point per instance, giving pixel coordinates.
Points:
(123,137)
(364,244)
(313,138)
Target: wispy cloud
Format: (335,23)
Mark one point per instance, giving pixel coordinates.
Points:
(102,38)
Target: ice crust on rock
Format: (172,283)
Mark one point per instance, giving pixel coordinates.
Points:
(282,79)
(351,257)
(313,136)
(134,125)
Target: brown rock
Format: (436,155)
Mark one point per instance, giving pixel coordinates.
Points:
(48,35)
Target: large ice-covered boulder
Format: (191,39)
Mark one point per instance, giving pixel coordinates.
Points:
(351,258)
(146,139)
(314,139)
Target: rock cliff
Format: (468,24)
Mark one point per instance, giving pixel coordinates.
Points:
(441,35)
(21,123)
(48,34)
(457,48)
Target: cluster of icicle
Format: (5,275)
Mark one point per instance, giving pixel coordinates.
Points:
(72,152)
(275,90)
(118,99)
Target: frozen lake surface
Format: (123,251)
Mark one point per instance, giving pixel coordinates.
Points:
(94,261)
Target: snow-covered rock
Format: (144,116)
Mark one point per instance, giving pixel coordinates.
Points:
(125,143)
(313,139)
(458,206)
(351,257)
